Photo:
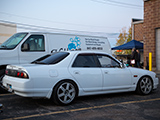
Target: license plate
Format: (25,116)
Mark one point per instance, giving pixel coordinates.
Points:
(9,87)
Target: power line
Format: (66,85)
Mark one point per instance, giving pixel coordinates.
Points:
(119,4)
(33,26)
(41,28)
(122,3)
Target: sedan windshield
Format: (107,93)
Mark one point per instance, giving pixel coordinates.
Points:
(51,59)
(13,41)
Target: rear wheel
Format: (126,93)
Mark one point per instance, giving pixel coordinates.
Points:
(145,86)
(64,93)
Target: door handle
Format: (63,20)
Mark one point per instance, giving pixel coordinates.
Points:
(76,72)
(105,72)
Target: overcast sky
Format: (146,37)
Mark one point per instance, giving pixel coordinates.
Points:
(105,16)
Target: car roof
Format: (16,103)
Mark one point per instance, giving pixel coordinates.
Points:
(91,34)
(97,52)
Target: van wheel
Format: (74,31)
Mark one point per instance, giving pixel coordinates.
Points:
(144,86)
(64,93)
(2,73)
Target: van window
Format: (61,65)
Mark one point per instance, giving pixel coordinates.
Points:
(34,43)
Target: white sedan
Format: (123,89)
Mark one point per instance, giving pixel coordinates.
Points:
(63,76)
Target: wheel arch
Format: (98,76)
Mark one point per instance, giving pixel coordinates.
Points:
(54,96)
(66,80)
(145,76)
(138,83)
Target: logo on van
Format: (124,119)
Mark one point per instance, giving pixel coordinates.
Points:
(74,44)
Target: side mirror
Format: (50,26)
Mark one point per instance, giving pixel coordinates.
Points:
(25,47)
(122,64)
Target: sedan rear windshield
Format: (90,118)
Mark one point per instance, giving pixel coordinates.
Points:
(52,58)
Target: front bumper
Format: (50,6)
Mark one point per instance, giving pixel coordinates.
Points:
(156,83)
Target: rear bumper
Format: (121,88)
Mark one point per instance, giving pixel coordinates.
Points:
(24,87)
(18,86)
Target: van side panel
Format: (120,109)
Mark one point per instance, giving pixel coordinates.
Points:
(9,56)
(64,42)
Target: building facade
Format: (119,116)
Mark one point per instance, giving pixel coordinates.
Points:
(6,30)
(137,29)
(148,31)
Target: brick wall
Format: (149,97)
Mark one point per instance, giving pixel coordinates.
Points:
(138,31)
(151,22)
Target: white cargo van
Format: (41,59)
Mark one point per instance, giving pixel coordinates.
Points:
(28,46)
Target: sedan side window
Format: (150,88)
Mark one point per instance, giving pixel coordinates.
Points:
(34,43)
(84,60)
(107,61)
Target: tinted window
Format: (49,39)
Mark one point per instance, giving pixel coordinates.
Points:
(53,59)
(107,61)
(84,60)
(41,58)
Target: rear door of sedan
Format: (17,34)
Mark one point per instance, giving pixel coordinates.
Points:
(86,72)
(115,76)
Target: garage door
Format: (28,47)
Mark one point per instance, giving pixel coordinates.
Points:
(158,49)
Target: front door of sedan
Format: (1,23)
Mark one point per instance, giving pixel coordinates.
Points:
(85,71)
(115,77)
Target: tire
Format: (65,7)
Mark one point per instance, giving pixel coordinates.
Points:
(145,86)
(2,73)
(2,89)
(64,93)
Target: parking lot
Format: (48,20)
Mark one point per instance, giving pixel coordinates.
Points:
(121,106)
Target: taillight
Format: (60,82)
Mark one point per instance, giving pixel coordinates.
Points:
(16,73)
(25,75)
(6,72)
(22,74)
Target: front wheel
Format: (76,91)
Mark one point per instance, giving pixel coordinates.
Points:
(145,86)
(64,93)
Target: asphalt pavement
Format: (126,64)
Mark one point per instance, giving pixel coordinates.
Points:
(120,106)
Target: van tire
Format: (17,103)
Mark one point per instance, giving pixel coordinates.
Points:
(2,89)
